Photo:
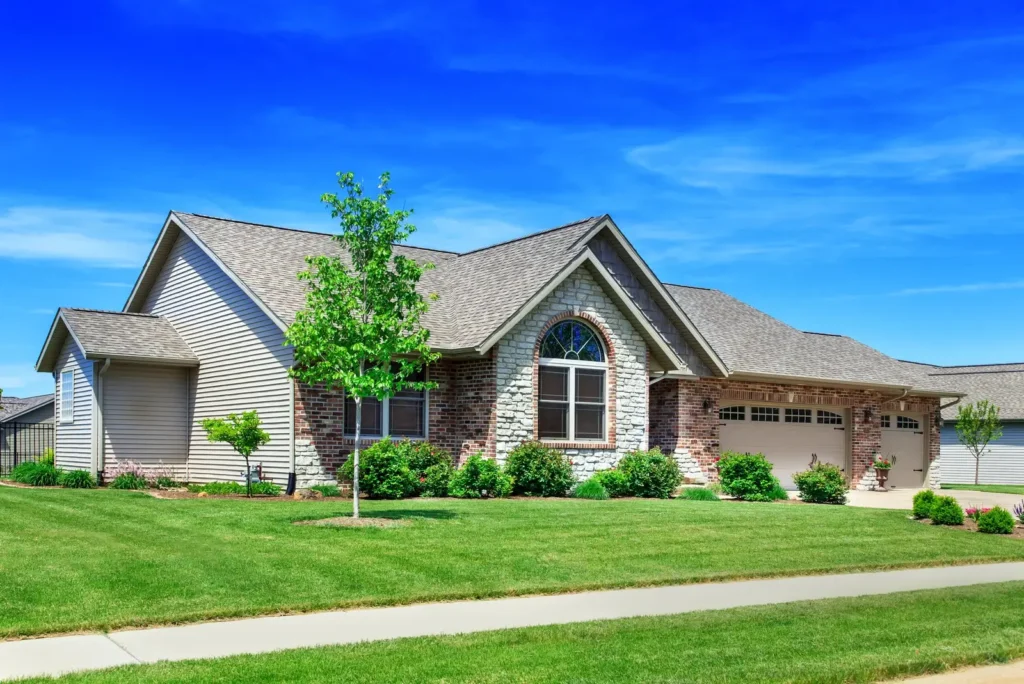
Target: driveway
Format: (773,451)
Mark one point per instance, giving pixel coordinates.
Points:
(904,498)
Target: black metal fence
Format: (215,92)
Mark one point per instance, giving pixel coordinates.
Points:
(20,442)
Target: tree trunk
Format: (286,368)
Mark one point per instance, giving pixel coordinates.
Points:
(977,467)
(248,479)
(355,458)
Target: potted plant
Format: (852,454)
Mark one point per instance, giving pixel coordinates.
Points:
(882,467)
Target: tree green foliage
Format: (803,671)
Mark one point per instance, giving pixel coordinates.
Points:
(824,483)
(360,329)
(946,511)
(76,479)
(748,477)
(614,481)
(242,432)
(590,489)
(996,521)
(650,474)
(539,470)
(976,425)
(480,478)
(923,502)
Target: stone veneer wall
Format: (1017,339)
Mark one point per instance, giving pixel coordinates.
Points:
(680,425)
(580,295)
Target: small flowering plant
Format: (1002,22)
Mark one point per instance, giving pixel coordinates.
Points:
(882,463)
(974,512)
(1018,512)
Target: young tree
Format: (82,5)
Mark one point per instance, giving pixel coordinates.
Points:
(976,426)
(360,330)
(242,432)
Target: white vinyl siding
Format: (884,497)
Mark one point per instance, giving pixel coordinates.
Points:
(243,361)
(145,415)
(73,440)
(1003,463)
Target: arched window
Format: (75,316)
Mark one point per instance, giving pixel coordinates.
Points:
(573,391)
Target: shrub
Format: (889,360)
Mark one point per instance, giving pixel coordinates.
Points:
(328,491)
(233,488)
(383,471)
(422,456)
(436,480)
(591,489)
(996,521)
(538,470)
(165,482)
(946,511)
(128,481)
(650,474)
(824,483)
(776,493)
(1018,512)
(265,488)
(613,481)
(924,500)
(48,457)
(35,474)
(698,494)
(479,478)
(748,476)
(76,479)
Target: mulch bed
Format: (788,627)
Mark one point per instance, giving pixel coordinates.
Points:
(353,522)
(971,526)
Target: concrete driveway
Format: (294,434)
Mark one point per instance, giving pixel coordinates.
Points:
(904,499)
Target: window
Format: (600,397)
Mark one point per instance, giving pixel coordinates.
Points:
(67,396)
(829,418)
(907,423)
(403,415)
(732,413)
(764,414)
(572,392)
(886,422)
(798,415)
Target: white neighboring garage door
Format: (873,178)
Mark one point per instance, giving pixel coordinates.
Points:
(1002,462)
(145,414)
(788,436)
(903,437)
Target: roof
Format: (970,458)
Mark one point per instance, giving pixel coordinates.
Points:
(12,407)
(754,343)
(1002,384)
(116,335)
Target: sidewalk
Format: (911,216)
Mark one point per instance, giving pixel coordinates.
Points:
(56,655)
(991,674)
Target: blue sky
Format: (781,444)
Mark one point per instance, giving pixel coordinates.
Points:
(846,167)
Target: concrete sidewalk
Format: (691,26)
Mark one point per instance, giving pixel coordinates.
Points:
(992,674)
(56,655)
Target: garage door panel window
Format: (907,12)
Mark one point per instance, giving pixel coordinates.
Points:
(733,413)
(764,414)
(907,423)
(829,418)
(886,421)
(798,415)
(572,384)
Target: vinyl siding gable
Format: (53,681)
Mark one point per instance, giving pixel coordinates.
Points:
(243,361)
(73,440)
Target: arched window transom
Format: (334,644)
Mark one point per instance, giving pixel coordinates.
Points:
(573,389)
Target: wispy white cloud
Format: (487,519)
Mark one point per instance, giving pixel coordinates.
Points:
(89,236)
(963,288)
(108,283)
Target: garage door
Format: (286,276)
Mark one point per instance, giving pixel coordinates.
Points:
(903,438)
(145,414)
(789,436)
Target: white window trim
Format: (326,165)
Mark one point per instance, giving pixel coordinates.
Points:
(572,365)
(67,416)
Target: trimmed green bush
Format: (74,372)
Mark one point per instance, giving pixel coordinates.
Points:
(923,502)
(423,457)
(748,477)
(36,474)
(591,489)
(538,470)
(76,479)
(479,478)
(650,474)
(824,483)
(996,521)
(946,511)
(613,481)
(436,480)
(384,471)
(166,482)
(328,491)
(698,494)
(129,481)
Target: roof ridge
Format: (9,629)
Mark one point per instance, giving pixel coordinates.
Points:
(297,230)
(691,287)
(528,235)
(812,332)
(107,311)
(982,365)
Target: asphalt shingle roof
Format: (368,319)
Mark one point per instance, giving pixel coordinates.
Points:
(111,334)
(15,406)
(1002,384)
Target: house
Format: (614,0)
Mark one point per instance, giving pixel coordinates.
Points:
(27,411)
(26,429)
(566,336)
(1003,385)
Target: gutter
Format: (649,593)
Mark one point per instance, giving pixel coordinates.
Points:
(655,381)
(100,446)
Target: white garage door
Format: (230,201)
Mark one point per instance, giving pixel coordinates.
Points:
(903,438)
(789,436)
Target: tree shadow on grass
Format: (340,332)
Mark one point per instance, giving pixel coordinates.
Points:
(427,513)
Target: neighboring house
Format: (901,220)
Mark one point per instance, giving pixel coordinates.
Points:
(28,411)
(26,428)
(1003,385)
(565,336)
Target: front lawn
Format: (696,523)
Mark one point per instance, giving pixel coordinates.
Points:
(94,559)
(992,489)
(838,640)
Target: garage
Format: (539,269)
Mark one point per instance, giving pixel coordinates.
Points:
(789,436)
(903,442)
(145,414)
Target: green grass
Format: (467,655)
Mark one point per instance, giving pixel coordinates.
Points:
(97,559)
(992,489)
(841,640)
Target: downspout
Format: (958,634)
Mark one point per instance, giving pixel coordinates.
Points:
(100,441)
(655,381)
(952,403)
(290,489)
